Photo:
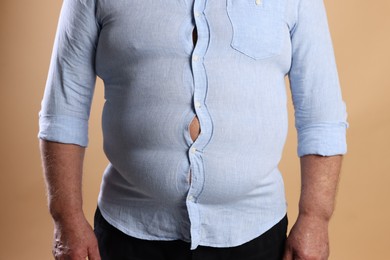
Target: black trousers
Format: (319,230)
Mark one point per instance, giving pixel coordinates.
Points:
(115,245)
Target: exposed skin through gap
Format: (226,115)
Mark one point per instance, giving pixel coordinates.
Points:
(194,127)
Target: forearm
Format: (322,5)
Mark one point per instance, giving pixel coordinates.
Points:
(62,165)
(319,180)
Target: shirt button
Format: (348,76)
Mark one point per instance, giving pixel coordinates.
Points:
(193,150)
(191,198)
(197,104)
(258,2)
(197,14)
(195,58)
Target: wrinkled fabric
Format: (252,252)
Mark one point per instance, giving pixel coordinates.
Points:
(156,80)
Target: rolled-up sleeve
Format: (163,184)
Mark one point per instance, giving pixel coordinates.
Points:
(320,112)
(71,79)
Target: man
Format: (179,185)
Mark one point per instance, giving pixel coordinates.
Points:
(194,125)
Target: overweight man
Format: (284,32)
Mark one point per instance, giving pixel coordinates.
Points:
(194,123)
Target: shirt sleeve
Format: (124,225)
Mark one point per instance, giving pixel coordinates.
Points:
(320,112)
(71,79)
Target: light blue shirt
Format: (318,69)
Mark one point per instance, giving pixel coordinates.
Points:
(156,81)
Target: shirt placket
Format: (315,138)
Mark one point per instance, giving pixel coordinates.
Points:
(196,149)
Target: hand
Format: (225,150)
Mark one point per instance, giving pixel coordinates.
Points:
(75,240)
(308,240)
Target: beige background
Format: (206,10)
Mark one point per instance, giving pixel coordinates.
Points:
(360,228)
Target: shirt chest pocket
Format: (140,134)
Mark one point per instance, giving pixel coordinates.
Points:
(257,27)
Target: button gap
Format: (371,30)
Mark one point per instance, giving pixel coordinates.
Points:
(194,35)
(194,128)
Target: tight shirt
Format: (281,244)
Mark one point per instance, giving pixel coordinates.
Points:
(157,81)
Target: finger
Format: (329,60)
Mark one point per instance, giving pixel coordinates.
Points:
(288,254)
(93,253)
(299,257)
